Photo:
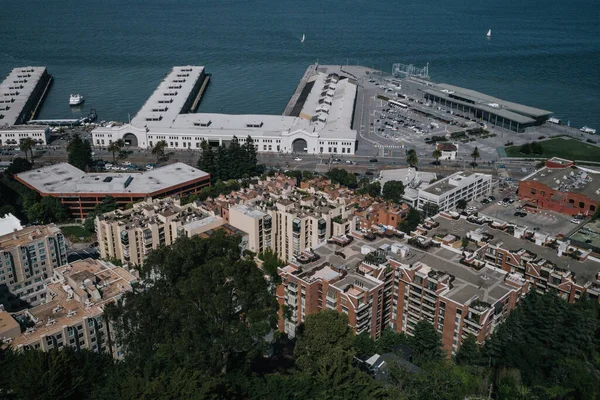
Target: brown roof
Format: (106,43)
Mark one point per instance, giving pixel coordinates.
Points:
(446,147)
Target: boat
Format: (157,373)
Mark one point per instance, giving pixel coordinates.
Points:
(302,40)
(76,99)
(585,129)
(489,34)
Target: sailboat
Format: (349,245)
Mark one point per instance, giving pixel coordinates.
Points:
(489,34)
(302,40)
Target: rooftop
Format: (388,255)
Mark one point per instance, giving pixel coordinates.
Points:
(26,235)
(9,223)
(15,91)
(579,180)
(169,98)
(250,211)
(79,290)
(456,180)
(66,179)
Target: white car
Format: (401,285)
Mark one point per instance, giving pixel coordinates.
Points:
(575,221)
(297,159)
(126,163)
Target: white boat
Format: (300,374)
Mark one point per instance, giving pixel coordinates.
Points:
(489,34)
(585,129)
(302,40)
(76,99)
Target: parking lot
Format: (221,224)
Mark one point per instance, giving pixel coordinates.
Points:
(545,221)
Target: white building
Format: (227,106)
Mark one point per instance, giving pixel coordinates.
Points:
(9,224)
(449,150)
(446,192)
(323,124)
(12,136)
(412,180)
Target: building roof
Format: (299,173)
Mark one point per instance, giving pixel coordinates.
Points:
(446,147)
(9,224)
(170,97)
(15,91)
(65,178)
(584,181)
(250,211)
(8,325)
(26,235)
(456,180)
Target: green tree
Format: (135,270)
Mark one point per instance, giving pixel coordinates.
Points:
(159,150)
(411,158)
(468,353)
(475,155)
(430,209)
(393,191)
(108,204)
(27,145)
(461,204)
(412,220)
(372,189)
(342,177)
(426,343)
(271,262)
(79,153)
(364,345)
(437,154)
(391,341)
(525,148)
(17,166)
(115,147)
(536,148)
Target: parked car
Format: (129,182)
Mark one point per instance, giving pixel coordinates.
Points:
(373,160)
(297,159)
(575,221)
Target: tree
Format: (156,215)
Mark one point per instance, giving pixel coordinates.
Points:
(372,189)
(17,166)
(426,343)
(79,153)
(391,341)
(108,204)
(411,158)
(27,145)
(393,191)
(437,154)
(536,148)
(475,155)
(115,147)
(468,353)
(159,150)
(364,345)
(525,148)
(342,177)
(271,262)
(461,204)
(430,209)
(412,220)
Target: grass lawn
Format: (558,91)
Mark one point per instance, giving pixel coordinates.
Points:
(559,147)
(74,233)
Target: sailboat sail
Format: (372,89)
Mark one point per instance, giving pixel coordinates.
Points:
(489,34)
(302,41)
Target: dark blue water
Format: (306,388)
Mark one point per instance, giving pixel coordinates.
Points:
(544,53)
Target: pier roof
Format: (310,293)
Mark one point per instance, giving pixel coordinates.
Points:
(16,90)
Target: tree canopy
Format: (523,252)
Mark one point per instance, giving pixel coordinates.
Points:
(342,177)
(393,191)
(411,157)
(79,153)
(230,162)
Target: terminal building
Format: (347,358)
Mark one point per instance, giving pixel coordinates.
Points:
(497,112)
(320,121)
(81,192)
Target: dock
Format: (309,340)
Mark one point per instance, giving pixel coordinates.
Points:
(289,109)
(198,97)
(22,93)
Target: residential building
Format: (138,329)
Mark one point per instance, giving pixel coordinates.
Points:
(72,315)
(319,120)
(28,258)
(81,191)
(129,235)
(562,187)
(462,185)
(257,224)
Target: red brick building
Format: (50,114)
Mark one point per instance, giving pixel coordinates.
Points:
(562,187)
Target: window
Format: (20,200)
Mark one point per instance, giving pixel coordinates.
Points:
(533,191)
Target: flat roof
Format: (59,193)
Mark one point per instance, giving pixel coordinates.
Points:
(457,179)
(250,211)
(65,178)
(15,91)
(8,324)
(26,235)
(9,224)
(570,179)
(170,96)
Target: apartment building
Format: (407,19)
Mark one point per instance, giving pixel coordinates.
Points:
(130,235)
(257,224)
(72,315)
(380,285)
(462,185)
(28,258)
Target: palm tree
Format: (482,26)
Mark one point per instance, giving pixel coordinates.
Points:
(475,155)
(27,145)
(437,154)
(114,148)
(159,150)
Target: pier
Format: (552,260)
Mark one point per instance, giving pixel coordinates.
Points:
(200,93)
(289,109)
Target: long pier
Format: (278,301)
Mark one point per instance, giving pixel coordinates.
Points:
(200,93)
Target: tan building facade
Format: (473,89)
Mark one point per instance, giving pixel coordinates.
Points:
(28,258)
(130,235)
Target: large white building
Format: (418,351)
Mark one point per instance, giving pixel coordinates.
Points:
(322,123)
(446,192)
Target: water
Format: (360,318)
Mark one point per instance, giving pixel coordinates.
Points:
(114,52)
